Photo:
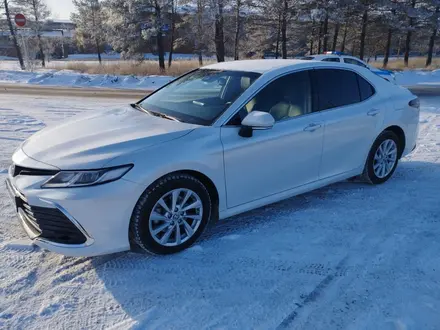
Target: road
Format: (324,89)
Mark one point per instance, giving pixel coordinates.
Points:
(349,256)
(40,90)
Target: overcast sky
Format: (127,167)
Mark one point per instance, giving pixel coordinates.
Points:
(60,8)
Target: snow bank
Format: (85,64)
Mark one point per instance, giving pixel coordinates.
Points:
(75,79)
(147,56)
(71,78)
(418,77)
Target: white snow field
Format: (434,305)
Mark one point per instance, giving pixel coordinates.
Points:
(70,78)
(349,256)
(418,77)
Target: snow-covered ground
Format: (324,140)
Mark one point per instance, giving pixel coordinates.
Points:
(418,77)
(349,256)
(75,79)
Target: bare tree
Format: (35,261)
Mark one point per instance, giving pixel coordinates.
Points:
(433,23)
(173,5)
(37,12)
(363,33)
(238,4)
(325,33)
(12,31)
(200,43)
(344,38)
(411,21)
(159,33)
(335,36)
(219,37)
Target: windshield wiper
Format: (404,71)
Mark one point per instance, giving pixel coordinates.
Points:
(153,113)
(138,107)
(162,115)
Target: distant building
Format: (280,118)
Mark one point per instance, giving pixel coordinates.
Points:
(52,28)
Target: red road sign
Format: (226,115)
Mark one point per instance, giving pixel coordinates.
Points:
(20,20)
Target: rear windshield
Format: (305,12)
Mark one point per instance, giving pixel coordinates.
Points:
(200,96)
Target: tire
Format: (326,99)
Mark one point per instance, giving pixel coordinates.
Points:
(142,236)
(371,175)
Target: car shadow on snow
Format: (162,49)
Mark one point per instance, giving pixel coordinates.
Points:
(146,289)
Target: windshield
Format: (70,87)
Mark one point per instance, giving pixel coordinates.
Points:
(200,96)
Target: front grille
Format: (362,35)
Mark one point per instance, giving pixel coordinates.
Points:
(50,223)
(20,170)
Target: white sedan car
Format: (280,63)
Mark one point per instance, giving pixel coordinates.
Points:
(218,141)
(341,57)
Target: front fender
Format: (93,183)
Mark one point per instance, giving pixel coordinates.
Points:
(200,151)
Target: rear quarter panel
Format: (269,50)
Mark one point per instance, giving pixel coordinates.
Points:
(404,116)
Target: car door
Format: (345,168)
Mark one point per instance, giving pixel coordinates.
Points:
(351,115)
(287,155)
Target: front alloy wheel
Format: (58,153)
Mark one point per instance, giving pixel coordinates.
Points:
(175,217)
(170,215)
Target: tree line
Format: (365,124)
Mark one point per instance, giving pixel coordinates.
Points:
(239,29)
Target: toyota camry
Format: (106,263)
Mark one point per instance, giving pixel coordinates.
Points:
(215,142)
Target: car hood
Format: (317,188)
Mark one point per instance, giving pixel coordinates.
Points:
(91,141)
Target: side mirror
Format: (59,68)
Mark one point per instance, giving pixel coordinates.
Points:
(256,120)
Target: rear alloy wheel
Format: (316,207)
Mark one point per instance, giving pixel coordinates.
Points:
(382,159)
(170,215)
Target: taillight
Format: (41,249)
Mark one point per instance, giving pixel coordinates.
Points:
(415,103)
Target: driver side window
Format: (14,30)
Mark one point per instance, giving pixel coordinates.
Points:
(284,98)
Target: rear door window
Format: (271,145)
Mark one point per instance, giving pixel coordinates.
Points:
(365,88)
(336,88)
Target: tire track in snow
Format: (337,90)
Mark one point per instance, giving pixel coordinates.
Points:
(353,271)
(313,295)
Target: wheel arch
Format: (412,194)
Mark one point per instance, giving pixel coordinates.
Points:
(206,181)
(400,134)
(212,190)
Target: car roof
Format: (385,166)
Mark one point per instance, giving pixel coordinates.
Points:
(275,67)
(320,57)
(259,66)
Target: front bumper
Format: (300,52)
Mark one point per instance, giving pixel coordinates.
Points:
(50,225)
(101,214)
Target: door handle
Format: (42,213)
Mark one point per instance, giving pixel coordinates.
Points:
(312,127)
(373,112)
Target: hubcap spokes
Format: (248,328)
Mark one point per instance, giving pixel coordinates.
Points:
(175,217)
(385,158)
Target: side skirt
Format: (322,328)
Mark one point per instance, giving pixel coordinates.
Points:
(287,194)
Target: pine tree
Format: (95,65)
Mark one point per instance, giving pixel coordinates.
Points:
(89,21)
(411,13)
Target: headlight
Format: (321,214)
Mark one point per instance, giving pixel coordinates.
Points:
(69,179)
